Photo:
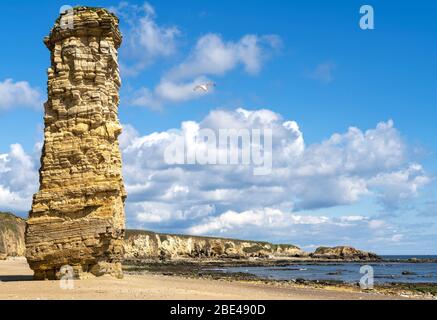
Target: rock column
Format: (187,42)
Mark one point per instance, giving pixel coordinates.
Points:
(77,217)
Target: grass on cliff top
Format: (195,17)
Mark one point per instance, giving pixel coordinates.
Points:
(130,233)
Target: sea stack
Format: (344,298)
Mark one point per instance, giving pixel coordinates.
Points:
(77,219)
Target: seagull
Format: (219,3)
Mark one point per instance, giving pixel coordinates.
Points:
(204,86)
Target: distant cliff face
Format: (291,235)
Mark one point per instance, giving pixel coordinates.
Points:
(150,245)
(147,245)
(344,253)
(11,236)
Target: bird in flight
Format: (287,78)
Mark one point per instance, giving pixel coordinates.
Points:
(204,86)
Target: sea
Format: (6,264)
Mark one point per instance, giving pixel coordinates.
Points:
(393,269)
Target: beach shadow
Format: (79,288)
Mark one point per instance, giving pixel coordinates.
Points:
(11,278)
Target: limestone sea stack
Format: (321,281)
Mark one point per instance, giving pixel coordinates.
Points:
(77,217)
(343,253)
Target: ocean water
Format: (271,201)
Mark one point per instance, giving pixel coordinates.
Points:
(407,257)
(384,272)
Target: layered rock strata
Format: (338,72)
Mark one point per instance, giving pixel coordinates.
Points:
(146,245)
(77,217)
(11,236)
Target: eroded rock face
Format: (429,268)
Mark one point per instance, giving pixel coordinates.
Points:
(145,245)
(343,253)
(11,236)
(77,216)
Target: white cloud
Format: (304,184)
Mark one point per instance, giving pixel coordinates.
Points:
(18,94)
(168,91)
(282,226)
(400,185)
(376,224)
(18,179)
(393,238)
(341,170)
(266,218)
(397,237)
(145,40)
(159,212)
(323,72)
(212,56)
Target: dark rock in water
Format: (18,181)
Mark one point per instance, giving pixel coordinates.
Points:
(344,253)
(408,273)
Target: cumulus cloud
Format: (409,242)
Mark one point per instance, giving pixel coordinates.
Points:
(18,179)
(211,56)
(400,185)
(19,94)
(145,40)
(214,56)
(168,91)
(267,218)
(213,199)
(279,225)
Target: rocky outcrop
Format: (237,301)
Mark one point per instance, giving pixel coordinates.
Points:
(145,245)
(11,236)
(343,253)
(77,216)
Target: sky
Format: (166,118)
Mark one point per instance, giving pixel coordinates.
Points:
(352,113)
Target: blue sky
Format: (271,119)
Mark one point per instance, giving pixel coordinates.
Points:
(309,62)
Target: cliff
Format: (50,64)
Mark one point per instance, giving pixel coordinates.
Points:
(77,216)
(11,236)
(147,245)
(344,253)
(150,245)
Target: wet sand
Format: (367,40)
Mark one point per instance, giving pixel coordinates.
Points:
(16,283)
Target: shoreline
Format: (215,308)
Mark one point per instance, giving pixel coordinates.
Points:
(163,280)
(16,283)
(211,270)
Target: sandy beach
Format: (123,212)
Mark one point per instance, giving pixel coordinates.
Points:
(16,283)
